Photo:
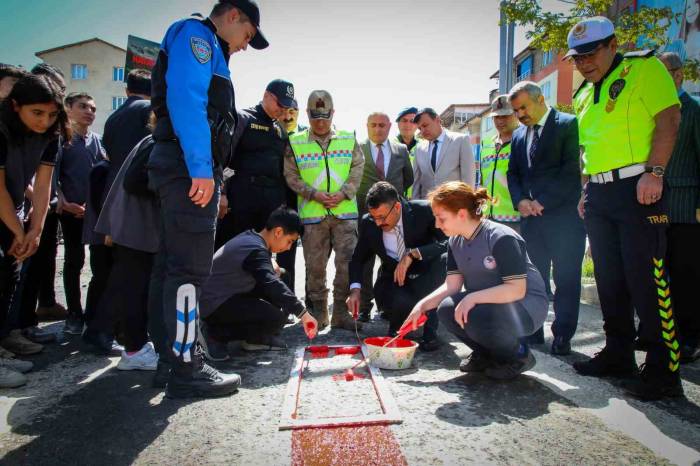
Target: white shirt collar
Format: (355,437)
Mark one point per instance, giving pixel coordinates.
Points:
(440,138)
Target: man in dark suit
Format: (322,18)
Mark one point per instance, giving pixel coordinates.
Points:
(385,160)
(413,255)
(544,181)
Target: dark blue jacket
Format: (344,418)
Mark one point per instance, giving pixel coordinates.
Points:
(554,179)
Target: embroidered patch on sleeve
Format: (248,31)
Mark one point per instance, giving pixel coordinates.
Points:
(201,49)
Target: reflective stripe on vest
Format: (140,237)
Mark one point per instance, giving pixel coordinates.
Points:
(494,177)
(325,171)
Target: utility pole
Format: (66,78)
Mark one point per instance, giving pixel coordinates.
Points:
(505,70)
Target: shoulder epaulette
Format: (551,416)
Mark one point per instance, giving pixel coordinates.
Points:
(640,54)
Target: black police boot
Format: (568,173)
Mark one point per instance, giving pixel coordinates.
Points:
(608,363)
(99,342)
(655,383)
(478,361)
(198,380)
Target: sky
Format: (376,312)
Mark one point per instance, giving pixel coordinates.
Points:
(371,55)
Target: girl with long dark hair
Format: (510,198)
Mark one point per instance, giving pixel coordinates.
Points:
(31,120)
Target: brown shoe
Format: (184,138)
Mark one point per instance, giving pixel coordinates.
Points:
(18,344)
(343,319)
(51,313)
(319,309)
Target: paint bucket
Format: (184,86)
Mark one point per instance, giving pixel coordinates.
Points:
(398,355)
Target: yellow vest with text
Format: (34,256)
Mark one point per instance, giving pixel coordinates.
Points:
(616,131)
(325,171)
(494,177)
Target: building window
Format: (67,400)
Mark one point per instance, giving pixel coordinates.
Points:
(489,124)
(118,74)
(547,90)
(79,71)
(547,58)
(462,117)
(117,102)
(524,70)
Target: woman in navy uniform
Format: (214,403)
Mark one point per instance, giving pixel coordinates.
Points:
(505,297)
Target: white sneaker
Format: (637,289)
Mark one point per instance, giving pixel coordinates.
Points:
(10,378)
(117,349)
(145,360)
(17,365)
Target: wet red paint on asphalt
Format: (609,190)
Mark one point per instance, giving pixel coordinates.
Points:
(365,445)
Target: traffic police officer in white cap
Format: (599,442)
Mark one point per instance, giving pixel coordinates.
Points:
(628,115)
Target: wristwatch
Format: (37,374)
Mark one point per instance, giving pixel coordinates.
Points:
(656,170)
(414,254)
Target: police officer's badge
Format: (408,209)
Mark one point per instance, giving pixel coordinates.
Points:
(615,90)
(490,262)
(201,49)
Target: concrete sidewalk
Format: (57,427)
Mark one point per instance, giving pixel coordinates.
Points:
(79,409)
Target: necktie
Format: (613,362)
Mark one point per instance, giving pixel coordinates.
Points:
(380,162)
(400,245)
(433,156)
(533,145)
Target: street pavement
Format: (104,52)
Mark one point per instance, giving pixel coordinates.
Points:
(79,409)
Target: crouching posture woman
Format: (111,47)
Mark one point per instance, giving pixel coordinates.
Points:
(505,297)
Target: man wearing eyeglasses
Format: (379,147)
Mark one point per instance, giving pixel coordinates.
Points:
(413,256)
(628,116)
(258,186)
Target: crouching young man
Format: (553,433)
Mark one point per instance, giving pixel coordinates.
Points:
(244,298)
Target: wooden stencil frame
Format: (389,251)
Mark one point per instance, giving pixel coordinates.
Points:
(288,421)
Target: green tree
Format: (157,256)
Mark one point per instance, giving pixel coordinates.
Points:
(548,30)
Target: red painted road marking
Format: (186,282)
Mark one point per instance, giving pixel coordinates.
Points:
(368,445)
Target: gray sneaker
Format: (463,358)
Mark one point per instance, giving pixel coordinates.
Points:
(10,378)
(17,365)
(512,369)
(266,343)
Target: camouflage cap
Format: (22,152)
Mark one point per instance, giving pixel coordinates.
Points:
(320,105)
(501,106)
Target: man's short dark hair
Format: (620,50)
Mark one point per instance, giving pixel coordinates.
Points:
(287,219)
(224,7)
(138,81)
(52,72)
(11,71)
(380,193)
(73,97)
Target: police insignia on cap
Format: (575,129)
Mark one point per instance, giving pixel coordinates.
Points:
(320,104)
(579,30)
(290,92)
(201,49)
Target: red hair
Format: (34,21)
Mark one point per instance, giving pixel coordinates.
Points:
(456,195)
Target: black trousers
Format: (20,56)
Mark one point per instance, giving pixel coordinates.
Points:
(367,290)
(245,317)
(39,274)
(9,276)
(683,257)
(100,267)
(74,259)
(187,240)
(628,246)
(251,205)
(494,330)
(397,301)
(559,240)
(156,317)
(125,298)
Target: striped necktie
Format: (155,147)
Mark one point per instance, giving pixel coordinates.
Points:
(400,245)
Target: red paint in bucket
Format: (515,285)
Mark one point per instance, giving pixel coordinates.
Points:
(381,341)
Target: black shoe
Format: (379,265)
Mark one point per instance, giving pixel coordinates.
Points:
(429,345)
(364,316)
(476,362)
(214,350)
(199,380)
(73,325)
(99,342)
(512,369)
(606,364)
(641,345)
(536,338)
(160,378)
(561,347)
(655,384)
(690,353)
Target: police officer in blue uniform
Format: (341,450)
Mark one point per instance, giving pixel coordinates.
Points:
(193,100)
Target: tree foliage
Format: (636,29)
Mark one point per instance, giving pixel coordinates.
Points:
(548,30)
